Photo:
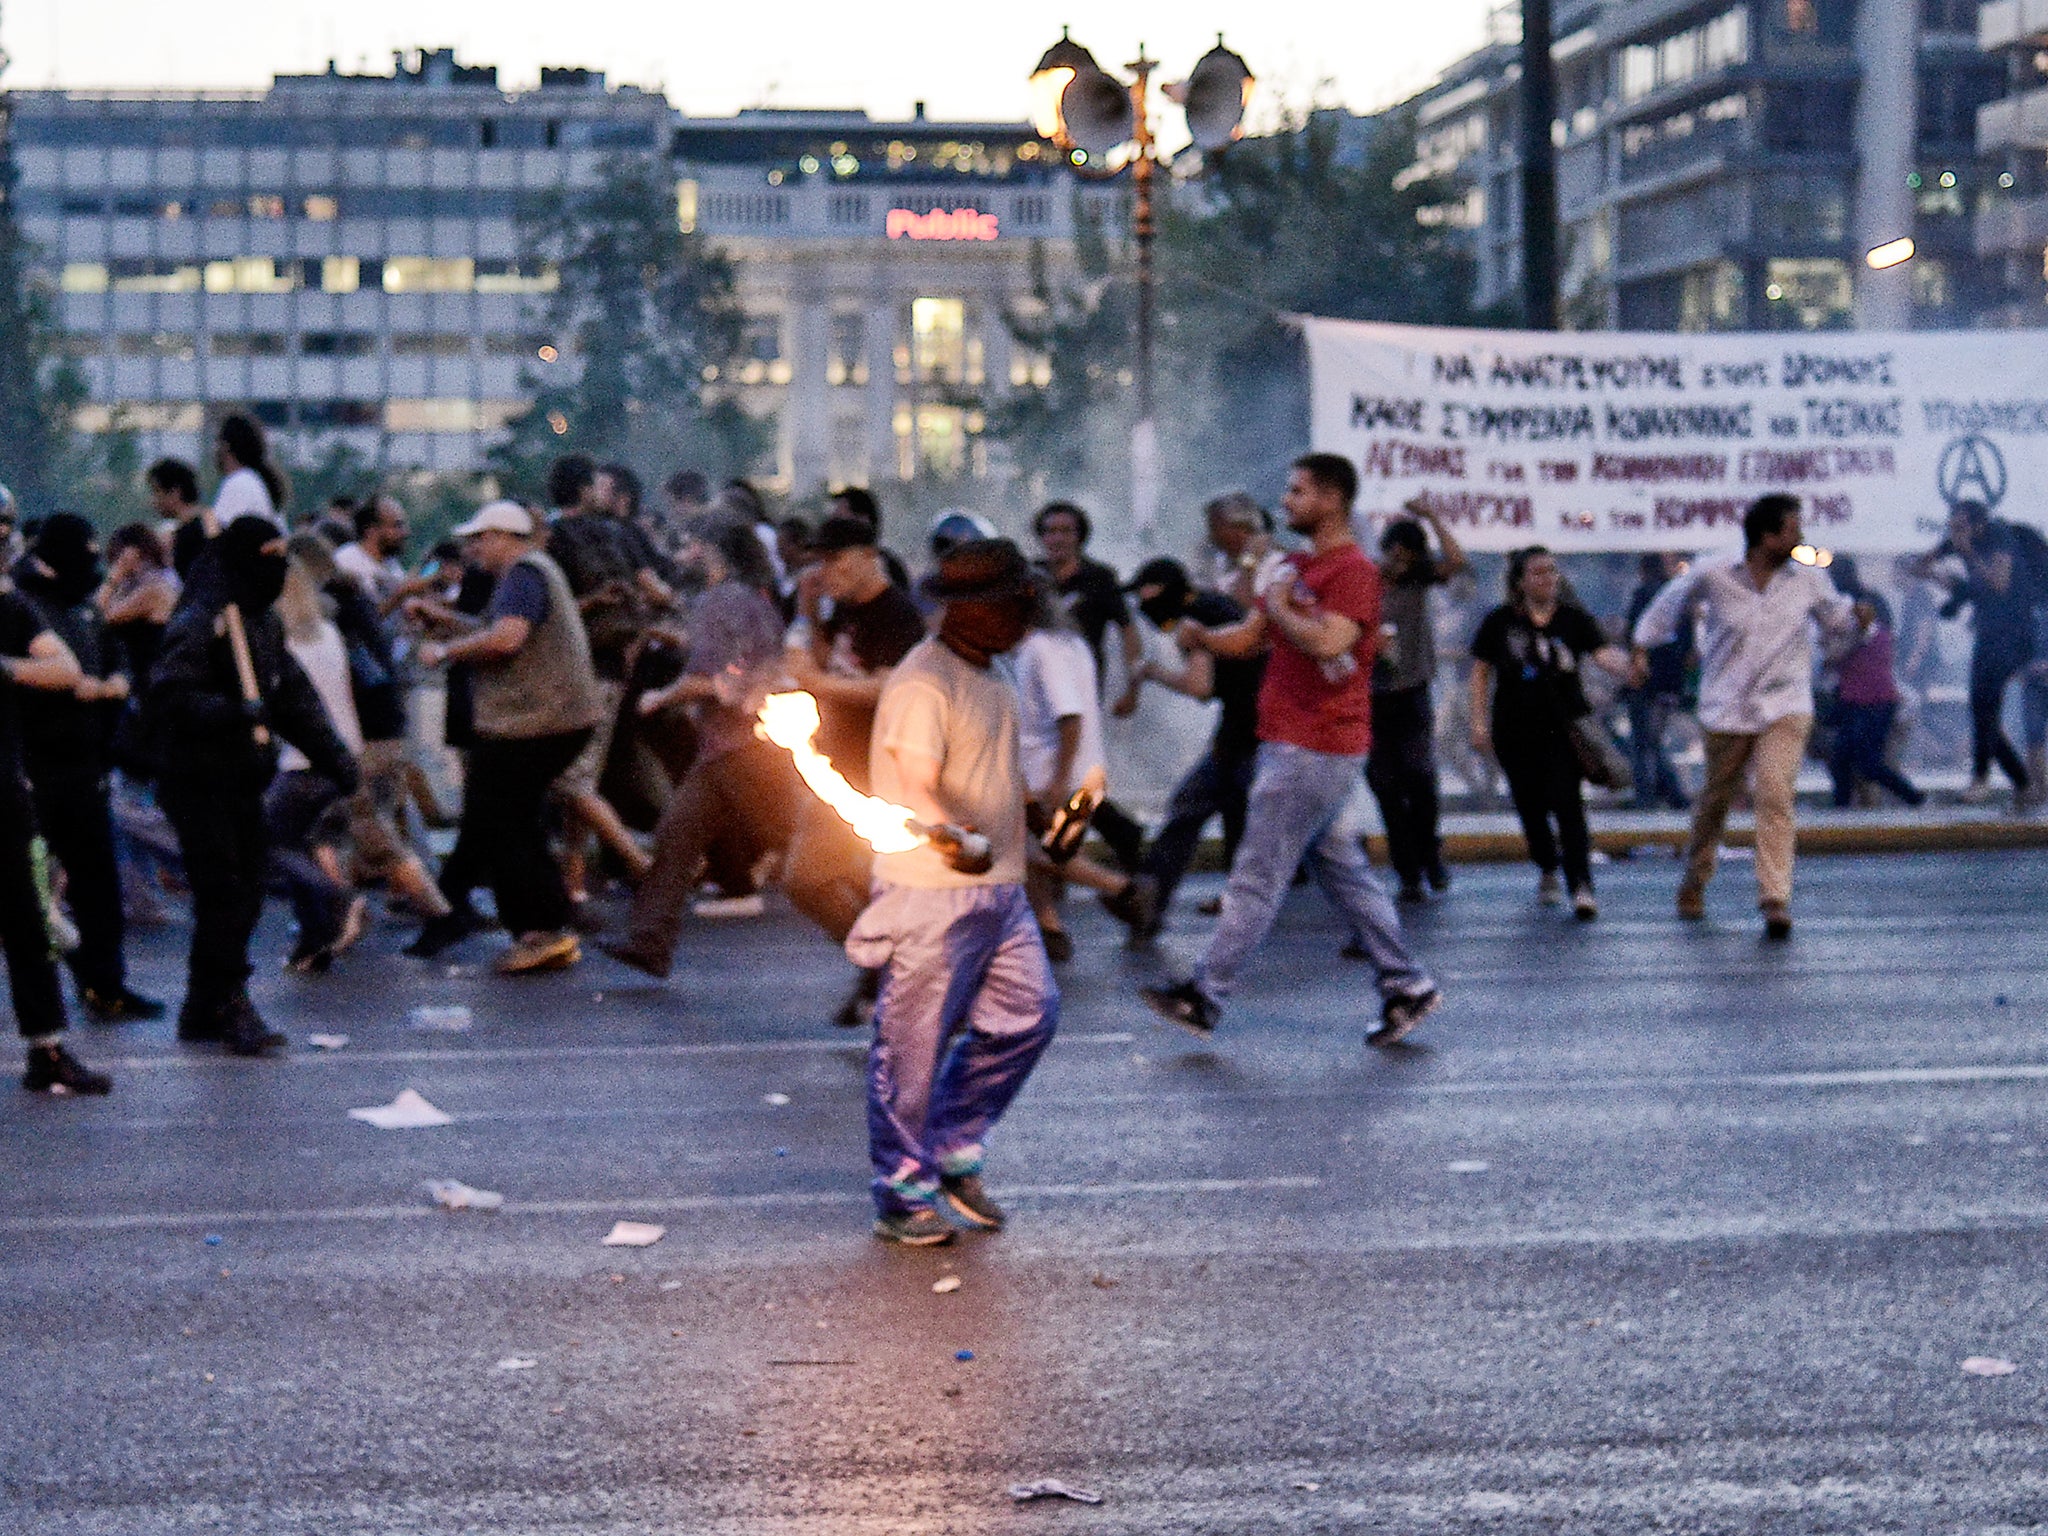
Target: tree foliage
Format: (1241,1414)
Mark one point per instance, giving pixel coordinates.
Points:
(1281,225)
(40,388)
(646,329)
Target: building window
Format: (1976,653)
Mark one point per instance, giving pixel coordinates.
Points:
(847,208)
(847,360)
(1933,284)
(83,344)
(317,415)
(322,209)
(429,274)
(340,274)
(504,344)
(686,207)
(83,277)
(514,277)
(429,344)
(251,274)
(938,338)
(849,451)
(761,359)
(179,346)
(141,416)
(431,416)
(1722,43)
(247,344)
(1710,298)
(337,344)
(1029,369)
(143,275)
(1808,295)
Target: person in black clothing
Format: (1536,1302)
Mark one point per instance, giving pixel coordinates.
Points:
(1660,695)
(857,501)
(872,626)
(1401,763)
(1525,681)
(67,737)
(1221,779)
(218,751)
(174,495)
(1094,599)
(2002,587)
(31,656)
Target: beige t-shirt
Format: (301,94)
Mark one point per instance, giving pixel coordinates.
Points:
(938,706)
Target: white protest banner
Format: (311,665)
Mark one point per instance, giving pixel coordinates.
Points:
(1617,441)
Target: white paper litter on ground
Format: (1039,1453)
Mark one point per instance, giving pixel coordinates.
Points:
(946,1286)
(327,1042)
(516,1363)
(454,1195)
(775,1100)
(1468,1165)
(1988,1365)
(407,1112)
(443,1020)
(1053,1488)
(633,1234)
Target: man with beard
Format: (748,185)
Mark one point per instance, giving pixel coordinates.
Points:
(67,734)
(968,1002)
(215,731)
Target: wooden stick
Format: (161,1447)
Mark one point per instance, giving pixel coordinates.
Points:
(238,641)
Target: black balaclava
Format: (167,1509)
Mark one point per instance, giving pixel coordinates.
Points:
(64,561)
(254,578)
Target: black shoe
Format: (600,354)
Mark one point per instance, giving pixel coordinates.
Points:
(1400,1015)
(1411,893)
(1184,1004)
(54,1070)
(639,960)
(202,1023)
(584,916)
(244,1032)
(309,957)
(1777,921)
(921,1228)
(1136,906)
(970,1202)
(858,1011)
(439,933)
(1059,945)
(118,1005)
(1439,875)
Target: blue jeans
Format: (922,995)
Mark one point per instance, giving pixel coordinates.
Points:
(968,1003)
(1861,731)
(1298,797)
(1216,786)
(1657,782)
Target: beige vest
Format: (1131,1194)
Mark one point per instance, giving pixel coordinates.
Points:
(548,687)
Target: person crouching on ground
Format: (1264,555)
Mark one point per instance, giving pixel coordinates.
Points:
(968,1002)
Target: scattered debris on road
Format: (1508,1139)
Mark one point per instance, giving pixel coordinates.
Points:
(1103,1283)
(633,1234)
(775,1100)
(1468,1165)
(407,1112)
(1988,1365)
(452,1019)
(454,1195)
(963,1354)
(946,1286)
(517,1363)
(327,1042)
(1053,1488)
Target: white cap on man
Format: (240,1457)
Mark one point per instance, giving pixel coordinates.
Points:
(498,517)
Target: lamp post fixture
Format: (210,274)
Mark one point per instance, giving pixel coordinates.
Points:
(1092,115)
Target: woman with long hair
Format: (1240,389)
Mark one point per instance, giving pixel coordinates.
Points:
(1526,696)
(250,486)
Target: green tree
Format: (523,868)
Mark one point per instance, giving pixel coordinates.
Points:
(647,331)
(1280,225)
(40,388)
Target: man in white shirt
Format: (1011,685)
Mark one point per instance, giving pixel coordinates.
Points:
(372,562)
(1756,617)
(969,1001)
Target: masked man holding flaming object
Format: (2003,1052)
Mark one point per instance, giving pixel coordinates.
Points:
(968,1000)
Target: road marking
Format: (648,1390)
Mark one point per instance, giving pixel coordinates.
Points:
(656,1204)
(488,1054)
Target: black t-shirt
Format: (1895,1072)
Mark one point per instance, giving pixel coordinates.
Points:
(1536,691)
(1237,680)
(1094,599)
(19,625)
(874,636)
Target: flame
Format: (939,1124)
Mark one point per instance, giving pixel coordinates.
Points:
(790,720)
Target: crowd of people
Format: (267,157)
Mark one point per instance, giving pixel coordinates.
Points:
(225,699)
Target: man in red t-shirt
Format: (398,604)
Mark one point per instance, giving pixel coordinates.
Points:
(1318,610)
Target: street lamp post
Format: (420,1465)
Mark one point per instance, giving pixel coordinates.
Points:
(1092,115)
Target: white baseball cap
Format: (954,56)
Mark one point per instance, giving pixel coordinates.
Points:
(498,517)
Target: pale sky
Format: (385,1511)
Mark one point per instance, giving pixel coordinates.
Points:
(963,62)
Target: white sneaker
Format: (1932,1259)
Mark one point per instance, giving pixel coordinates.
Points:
(1979,793)
(1584,907)
(1549,889)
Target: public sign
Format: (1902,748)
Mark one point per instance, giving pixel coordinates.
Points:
(941,224)
(1623,441)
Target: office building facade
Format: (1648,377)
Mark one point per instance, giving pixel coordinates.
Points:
(1727,166)
(343,255)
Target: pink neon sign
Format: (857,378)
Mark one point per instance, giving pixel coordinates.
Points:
(941,224)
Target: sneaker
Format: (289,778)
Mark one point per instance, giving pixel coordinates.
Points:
(729,906)
(970,1202)
(201,1023)
(244,1033)
(1549,889)
(638,959)
(118,1005)
(1692,903)
(54,1070)
(1439,875)
(64,935)
(1184,1004)
(921,1228)
(1136,906)
(446,931)
(1400,1015)
(1777,921)
(1584,907)
(1411,893)
(858,1011)
(542,952)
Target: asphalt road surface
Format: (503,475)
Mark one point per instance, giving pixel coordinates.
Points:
(1653,1228)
